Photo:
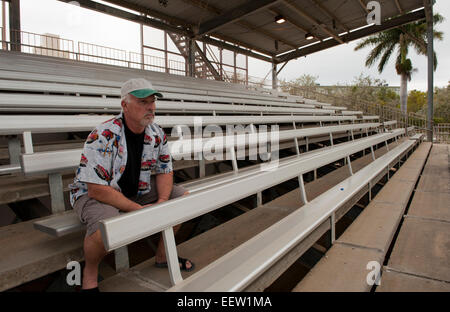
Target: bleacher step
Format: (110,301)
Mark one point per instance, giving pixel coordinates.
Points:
(420,258)
(368,237)
(28,254)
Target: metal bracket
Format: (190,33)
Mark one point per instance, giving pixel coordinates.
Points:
(56,192)
(233,159)
(258,199)
(28,142)
(201,166)
(14,150)
(349,165)
(333,227)
(302,189)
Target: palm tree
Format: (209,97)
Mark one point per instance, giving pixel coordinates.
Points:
(400,38)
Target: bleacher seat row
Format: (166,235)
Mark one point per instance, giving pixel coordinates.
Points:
(38,85)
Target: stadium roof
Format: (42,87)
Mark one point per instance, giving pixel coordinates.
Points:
(249,27)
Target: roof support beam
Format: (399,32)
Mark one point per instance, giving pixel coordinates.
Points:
(233,15)
(312,20)
(169,19)
(363,5)
(395,22)
(206,6)
(331,15)
(88,4)
(397,3)
(230,47)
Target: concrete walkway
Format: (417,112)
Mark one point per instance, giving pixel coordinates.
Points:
(420,259)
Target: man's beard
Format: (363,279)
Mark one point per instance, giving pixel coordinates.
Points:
(147,121)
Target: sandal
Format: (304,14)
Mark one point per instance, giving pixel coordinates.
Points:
(181,261)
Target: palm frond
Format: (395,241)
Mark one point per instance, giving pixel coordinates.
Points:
(387,54)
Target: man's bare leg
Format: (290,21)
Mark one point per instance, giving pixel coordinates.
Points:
(94,251)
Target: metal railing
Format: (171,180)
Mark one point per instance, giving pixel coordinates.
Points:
(386,112)
(99,54)
(442,133)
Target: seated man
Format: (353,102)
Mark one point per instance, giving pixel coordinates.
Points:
(115,173)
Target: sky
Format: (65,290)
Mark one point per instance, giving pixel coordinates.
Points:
(338,65)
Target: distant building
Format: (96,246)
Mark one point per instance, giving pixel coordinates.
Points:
(51,46)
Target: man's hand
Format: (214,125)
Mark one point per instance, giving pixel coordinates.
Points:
(108,195)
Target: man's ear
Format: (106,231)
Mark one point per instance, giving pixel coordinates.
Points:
(123,104)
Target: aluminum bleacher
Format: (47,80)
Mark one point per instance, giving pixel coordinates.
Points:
(42,95)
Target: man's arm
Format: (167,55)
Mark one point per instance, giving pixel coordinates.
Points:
(164,184)
(108,195)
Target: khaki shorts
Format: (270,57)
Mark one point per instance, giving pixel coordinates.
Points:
(91,211)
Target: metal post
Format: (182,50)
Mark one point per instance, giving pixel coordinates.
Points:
(191,58)
(172,256)
(259,199)
(121,259)
(141,28)
(201,168)
(302,189)
(14,25)
(56,192)
(233,159)
(333,227)
(297,150)
(14,150)
(4,44)
(27,142)
(274,76)
(349,165)
(430,54)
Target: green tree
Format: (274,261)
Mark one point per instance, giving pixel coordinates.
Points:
(400,39)
(442,104)
(416,101)
(306,83)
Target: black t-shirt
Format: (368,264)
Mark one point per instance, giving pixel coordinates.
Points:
(129,181)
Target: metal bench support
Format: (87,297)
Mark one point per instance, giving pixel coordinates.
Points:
(56,192)
(172,256)
(14,150)
(121,259)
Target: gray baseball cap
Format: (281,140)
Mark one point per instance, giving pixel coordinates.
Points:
(138,87)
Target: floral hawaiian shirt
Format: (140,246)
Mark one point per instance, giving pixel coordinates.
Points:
(104,157)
